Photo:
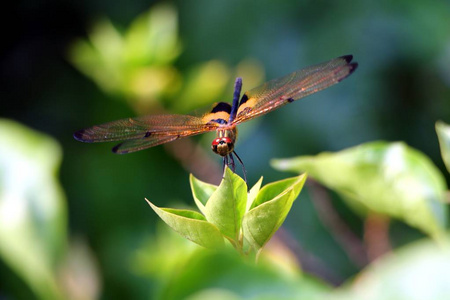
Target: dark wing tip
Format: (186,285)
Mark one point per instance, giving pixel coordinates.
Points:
(347,58)
(79,135)
(117,150)
(352,67)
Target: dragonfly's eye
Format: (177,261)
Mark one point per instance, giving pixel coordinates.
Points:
(222,146)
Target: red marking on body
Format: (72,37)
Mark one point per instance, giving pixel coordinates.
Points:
(223,139)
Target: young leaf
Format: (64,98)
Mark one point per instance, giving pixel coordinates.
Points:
(387,178)
(192,225)
(201,191)
(269,210)
(253,193)
(273,189)
(226,206)
(443,133)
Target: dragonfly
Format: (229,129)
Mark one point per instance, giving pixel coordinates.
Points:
(140,133)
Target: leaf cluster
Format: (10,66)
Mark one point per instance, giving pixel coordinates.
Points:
(228,212)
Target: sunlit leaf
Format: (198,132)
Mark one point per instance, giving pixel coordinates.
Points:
(32,207)
(107,42)
(148,84)
(443,133)
(192,225)
(153,37)
(387,178)
(201,191)
(227,204)
(269,210)
(99,58)
(137,63)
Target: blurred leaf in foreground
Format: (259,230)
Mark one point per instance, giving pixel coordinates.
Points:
(415,272)
(32,207)
(183,270)
(225,273)
(386,178)
(443,133)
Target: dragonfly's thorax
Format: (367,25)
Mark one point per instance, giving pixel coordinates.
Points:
(223,144)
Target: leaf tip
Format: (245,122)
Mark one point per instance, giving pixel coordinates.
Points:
(149,203)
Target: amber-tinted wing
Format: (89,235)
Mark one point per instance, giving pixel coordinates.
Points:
(145,132)
(278,92)
(143,143)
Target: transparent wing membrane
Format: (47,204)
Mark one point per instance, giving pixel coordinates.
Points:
(144,127)
(144,132)
(144,143)
(294,86)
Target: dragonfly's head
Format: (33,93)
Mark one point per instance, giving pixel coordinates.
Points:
(222,146)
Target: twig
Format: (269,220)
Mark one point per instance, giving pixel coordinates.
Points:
(351,243)
(376,236)
(309,262)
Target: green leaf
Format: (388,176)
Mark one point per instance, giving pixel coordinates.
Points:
(253,193)
(418,271)
(137,64)
(100,57)
(192,225)
(274,189)
(211,274)
(153,37)
(387,178)
(443,133)
(201,191)
(32,207)
(226,206)
(269,210)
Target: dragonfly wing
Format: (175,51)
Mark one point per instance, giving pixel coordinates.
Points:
(153,127)
(143,143)
(299,84)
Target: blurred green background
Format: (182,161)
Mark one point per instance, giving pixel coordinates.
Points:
(67,65)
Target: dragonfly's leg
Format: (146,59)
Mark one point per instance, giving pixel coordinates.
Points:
(225,162)
(231,164)
(243,167)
